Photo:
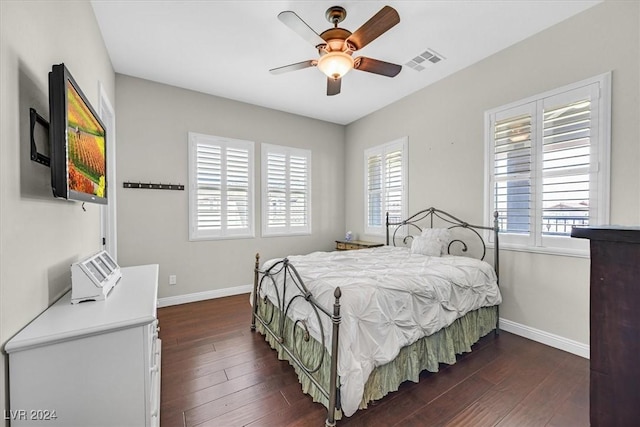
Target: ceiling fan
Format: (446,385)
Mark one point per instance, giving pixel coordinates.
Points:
(336,45)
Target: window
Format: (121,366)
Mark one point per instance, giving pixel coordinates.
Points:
(548,166)
(286,190)
(220,188)
(385,168)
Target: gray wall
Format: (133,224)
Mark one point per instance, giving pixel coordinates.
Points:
(444,123)
(152,125)
(41,236)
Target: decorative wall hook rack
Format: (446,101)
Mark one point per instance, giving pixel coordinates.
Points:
(152,186)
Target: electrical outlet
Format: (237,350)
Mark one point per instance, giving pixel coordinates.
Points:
(173,279)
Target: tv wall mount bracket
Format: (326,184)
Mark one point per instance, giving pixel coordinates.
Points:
(35,118)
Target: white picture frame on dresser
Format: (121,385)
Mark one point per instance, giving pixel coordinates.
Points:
(95,363)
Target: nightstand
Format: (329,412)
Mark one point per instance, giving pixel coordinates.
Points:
(343,245)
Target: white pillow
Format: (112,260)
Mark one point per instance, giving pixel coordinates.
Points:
(426,246)
(440,235)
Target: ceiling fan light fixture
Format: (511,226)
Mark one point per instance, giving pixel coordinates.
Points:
(335,64)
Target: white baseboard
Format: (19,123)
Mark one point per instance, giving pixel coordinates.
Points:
(201,296)
(546,338)
(534,334)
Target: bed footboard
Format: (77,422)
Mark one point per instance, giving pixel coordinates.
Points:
(289,289)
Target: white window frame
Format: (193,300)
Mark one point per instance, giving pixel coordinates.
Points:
(600,89)
(108,217)
(383,150)
(224,232)
(288,229)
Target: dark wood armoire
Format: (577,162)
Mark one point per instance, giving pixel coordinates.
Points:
(615,325)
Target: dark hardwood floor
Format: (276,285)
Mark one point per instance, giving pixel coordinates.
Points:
(216,372)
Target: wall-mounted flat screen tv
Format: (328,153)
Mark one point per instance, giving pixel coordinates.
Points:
(78,142)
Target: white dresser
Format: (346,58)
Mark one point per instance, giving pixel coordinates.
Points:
(90,364)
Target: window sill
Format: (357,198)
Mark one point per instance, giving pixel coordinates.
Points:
(575,253)
(285,234)
(211,238)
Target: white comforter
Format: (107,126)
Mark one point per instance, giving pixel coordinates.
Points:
(390,298)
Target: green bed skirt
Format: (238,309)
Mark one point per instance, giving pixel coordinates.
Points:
(425,354)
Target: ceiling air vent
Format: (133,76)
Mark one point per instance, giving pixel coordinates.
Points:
(425,59)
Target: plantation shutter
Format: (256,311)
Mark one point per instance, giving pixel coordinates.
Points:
(209,188)
(566,166)
(276,190)
(385,185)
(549,169)
(287,190)
(237,197)
(512,169)
(299,191)
(221,187)
(374,190)
(394,186)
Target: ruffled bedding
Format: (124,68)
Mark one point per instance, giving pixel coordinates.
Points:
(391,298)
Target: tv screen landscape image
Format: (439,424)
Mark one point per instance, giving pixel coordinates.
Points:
(78,142)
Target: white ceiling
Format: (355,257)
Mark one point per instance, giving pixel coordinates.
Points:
(226,48)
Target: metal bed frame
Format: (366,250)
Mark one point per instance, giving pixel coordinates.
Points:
(300,292)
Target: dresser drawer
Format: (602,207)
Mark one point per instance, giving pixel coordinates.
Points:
(343,245)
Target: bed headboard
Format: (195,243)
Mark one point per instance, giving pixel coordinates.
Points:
(466,239)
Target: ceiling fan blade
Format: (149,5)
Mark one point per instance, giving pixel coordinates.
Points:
(294,67)
(333,86)
(379,23)
(293,21)
(376,66)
